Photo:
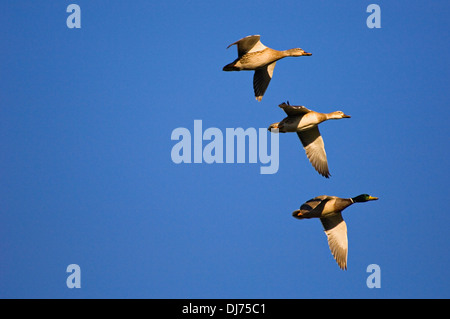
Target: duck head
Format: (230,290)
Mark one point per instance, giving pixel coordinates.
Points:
(363,198)
(297,52)
(338,115)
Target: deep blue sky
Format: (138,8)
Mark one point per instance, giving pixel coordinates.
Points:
(86,176)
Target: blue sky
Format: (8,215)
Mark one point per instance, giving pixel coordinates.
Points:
(86,117)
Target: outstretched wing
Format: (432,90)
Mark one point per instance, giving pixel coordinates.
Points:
(315,150)
(336,231)
(292,110)
(261,80)
(248,44)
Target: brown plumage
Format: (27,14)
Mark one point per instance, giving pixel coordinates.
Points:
(253,55)
(305,123)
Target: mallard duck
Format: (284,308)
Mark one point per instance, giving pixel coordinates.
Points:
(305,123)
(253,55)
(329,210)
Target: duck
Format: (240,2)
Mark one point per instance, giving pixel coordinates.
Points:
(305,123)
(253,55)
(329,210)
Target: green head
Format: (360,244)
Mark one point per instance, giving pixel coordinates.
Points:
(363,198)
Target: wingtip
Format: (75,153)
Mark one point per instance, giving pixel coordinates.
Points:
(325,174)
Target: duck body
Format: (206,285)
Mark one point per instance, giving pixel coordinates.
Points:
(255,60)
(329,210)
(255,56)
(305,123)
(302,122)
(331,205)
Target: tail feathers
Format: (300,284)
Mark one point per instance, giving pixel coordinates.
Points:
(297,214)
(230,67)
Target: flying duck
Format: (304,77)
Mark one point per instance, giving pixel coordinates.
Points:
(253,55)
(329,210)
(305,123)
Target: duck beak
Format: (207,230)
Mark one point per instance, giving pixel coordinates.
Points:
(373,198)
(346,116)
(307,53)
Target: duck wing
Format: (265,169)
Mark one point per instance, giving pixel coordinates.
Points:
(261,80)
(336,231)
(315,150)
(293,110)
(248,44)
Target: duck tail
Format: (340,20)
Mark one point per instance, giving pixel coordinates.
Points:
(230,67)
(297,214)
